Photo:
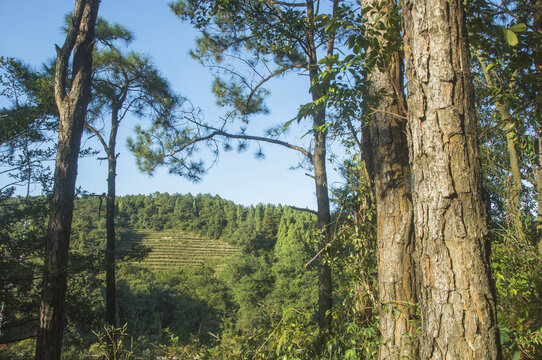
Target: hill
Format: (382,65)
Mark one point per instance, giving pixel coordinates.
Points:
(173,249)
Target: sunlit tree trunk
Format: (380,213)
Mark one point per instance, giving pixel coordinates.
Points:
(453,272)
(72,107)
(387,148)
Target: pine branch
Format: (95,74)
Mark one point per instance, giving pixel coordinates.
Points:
(304,209)
(98,135)
(218,133)
(271,76)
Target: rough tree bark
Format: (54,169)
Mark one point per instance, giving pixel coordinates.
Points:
(385,144)
(453,273)
(72,107)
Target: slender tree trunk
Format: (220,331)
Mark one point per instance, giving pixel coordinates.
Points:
(110,292)
(325,302)
(537,26)
(514,197)
(72,110)
(323,221)
(515,187)
(453,271)
(386,146)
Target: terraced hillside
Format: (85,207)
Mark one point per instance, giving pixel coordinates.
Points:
(172,250)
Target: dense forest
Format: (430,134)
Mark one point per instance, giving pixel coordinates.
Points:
(430,248)
(188,309)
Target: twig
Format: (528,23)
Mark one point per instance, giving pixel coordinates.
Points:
(389,113)
(325,247)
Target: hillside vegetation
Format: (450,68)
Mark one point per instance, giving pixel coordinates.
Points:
(174,249)
(234,282)
(193,272)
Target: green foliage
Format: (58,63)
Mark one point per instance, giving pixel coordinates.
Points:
(27,124)
(262,303)
(107,33)
(354,267)
(29,93)
(22,232)
(503,46)
(295,286)
(213,312)
(114,344)
(23,350)
(518,270)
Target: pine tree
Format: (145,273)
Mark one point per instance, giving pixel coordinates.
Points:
(72,108)
(455,290)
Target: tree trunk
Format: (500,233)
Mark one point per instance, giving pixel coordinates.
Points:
(515,187)
(325,301)
(323,221)
(72,110)
(537,27)
(110,292)
(386,146)
(514,196)
(453,271)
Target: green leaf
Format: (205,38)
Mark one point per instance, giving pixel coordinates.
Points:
(516,356)
(518,27)
(348,58)
(510,36)
(328,26)
(287,124)
(490,66)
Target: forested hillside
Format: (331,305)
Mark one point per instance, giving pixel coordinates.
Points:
(429,247)
(260,276)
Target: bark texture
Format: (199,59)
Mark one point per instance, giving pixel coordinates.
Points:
(386,145)
(72,108)
(455,293)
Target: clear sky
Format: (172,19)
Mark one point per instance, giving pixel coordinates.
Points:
(30,28)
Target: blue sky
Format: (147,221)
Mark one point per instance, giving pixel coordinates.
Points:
(30,28)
